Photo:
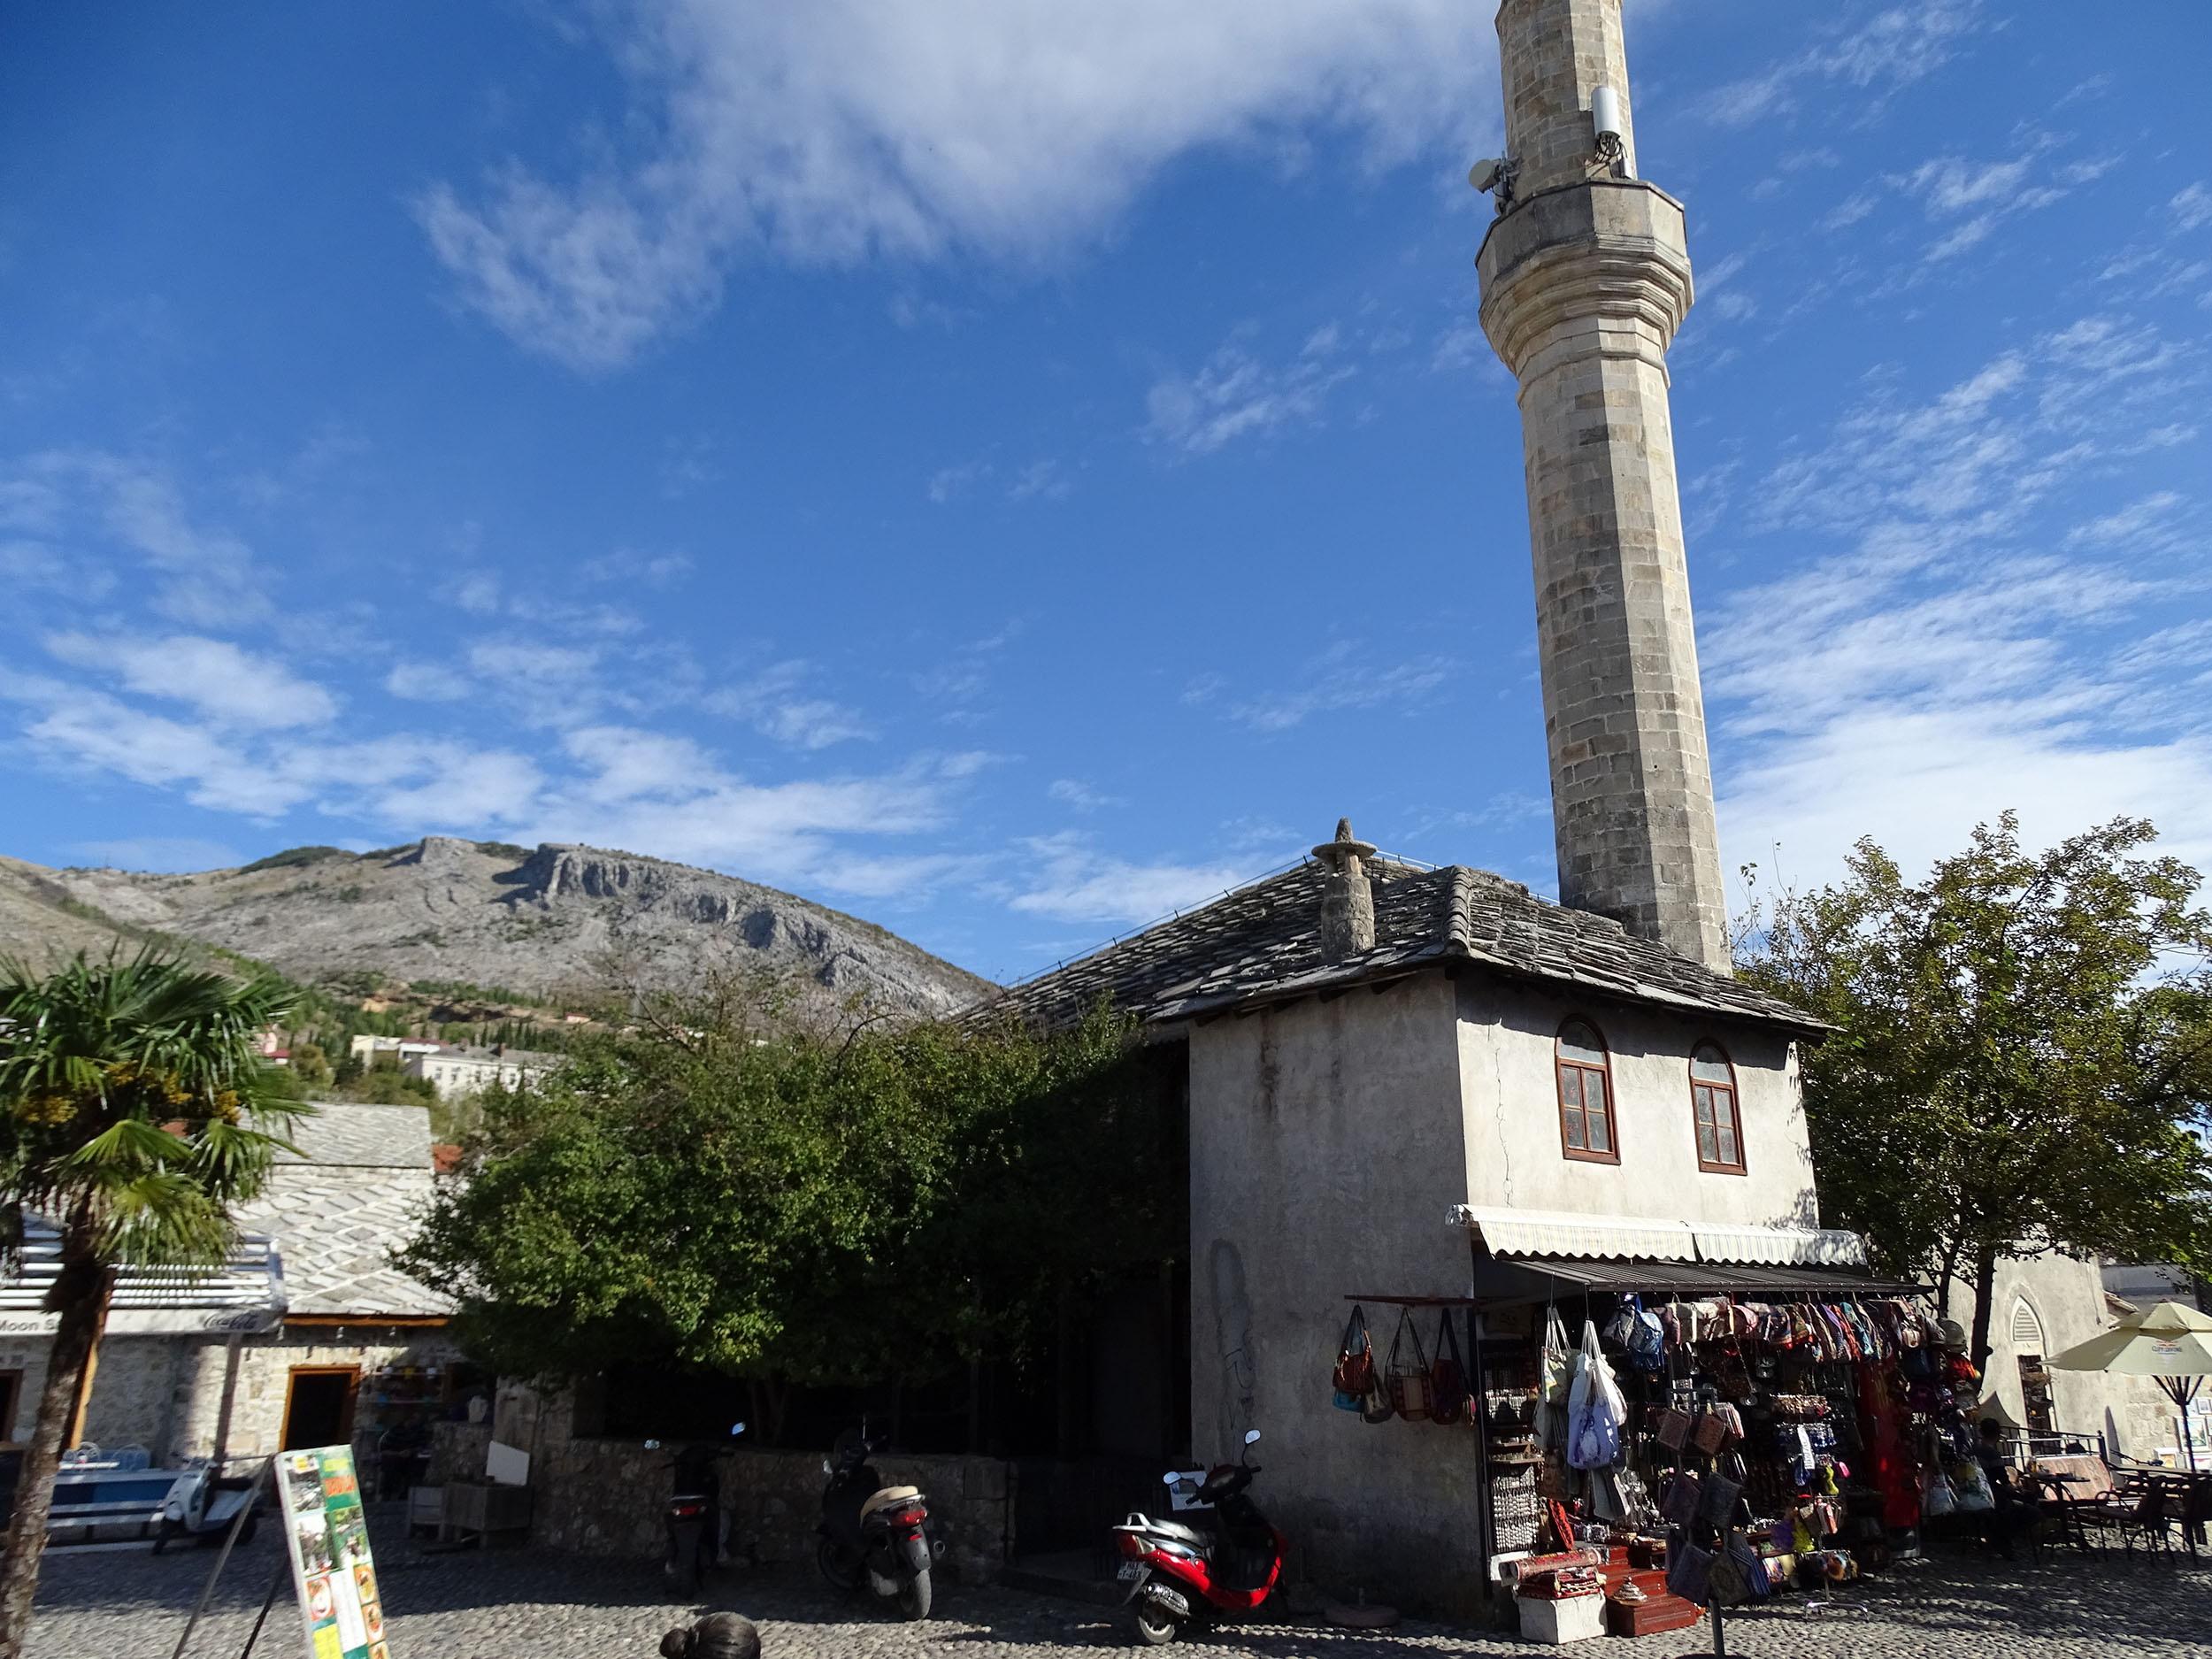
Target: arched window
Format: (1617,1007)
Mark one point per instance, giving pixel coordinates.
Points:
(1585,1096)
(1713,1103)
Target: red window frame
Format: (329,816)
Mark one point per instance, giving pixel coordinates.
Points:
(1706,1100)
(1574,1080)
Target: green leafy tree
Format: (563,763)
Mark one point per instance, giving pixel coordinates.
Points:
(135,1110)
(2022,1057)
(310,1065)
(725,1190)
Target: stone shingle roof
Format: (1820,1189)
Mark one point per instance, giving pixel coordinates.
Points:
(1263,941)
(345,1135)
(335,1215)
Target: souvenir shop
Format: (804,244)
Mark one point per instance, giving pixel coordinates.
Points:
(1658,1438)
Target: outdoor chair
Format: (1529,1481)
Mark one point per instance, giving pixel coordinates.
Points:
(2139,1509)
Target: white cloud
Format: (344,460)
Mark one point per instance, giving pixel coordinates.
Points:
(2192,207)
(1966,651)
(204,576)
(428,682)
(1041,480)
(1891,49)
(1080,795)
(533,667)
(1234,394)
(1335,681)
(214,676)
(776,703)
(847,130)
(1074,882)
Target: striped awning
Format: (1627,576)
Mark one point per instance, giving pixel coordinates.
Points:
(244,1295)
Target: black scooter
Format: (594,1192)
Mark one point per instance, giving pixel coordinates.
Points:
(695,1511)
(875,1535)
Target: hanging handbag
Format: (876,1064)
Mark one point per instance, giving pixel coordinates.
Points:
(1674,1428)
(1354,1372)
(1689,1570)
(1717,1502)
(1678,1502)
(1711,1434)
(1937,1499)
(1448,1400)
(1408,1378)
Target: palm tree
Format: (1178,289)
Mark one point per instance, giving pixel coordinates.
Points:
(135,1110)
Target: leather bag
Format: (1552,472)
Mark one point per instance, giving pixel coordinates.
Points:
(1448,1400)
(1408,1378)
(1354,1372)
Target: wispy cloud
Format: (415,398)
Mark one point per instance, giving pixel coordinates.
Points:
(1235,394)
(1340,678)
(214,676)
(778,702)
(1957,655)
(1889,50)
(1071,881)
(841,131)
(202,575)
(1080,795)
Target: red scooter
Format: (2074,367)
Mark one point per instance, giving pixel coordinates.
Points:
(1179,1575)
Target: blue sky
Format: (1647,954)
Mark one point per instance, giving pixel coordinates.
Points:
(1006,470)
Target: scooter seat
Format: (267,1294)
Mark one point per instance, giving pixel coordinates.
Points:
(888,1497)
(1181,1533)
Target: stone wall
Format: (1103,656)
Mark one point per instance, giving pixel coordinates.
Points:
(607,1497)
(166,1393)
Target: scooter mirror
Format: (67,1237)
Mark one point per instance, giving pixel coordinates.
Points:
(1251,1437)
(652,1445)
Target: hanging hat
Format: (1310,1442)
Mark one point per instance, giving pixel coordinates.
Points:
(1951,1332)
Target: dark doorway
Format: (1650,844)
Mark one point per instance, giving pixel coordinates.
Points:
(318,1406)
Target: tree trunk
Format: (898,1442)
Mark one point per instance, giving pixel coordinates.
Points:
(1946,1269)
(1984,1290)
(81,1296)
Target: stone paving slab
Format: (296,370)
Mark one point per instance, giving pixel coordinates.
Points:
(519,1604)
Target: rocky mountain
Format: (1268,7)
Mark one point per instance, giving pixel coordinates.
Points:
(559,923)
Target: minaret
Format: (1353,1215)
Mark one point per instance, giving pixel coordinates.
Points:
(1585,279)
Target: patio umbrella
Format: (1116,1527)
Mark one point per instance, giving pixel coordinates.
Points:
(2170,1343)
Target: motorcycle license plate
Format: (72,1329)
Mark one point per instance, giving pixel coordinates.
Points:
(1130,1571)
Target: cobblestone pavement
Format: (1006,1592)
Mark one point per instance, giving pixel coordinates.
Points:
(512,1604)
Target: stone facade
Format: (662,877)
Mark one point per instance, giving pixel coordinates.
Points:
(607,1497)
(166,1393)
(1585,279)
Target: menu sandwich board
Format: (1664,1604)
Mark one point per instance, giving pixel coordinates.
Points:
(327,1531)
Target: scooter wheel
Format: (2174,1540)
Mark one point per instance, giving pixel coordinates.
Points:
(1155,1626)
(914,1596)
(839,1568)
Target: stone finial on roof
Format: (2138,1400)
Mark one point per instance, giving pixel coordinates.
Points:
(1348,900)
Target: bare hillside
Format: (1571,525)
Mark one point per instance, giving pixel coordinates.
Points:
(559,923)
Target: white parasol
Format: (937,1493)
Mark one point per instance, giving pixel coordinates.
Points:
(2170,1343)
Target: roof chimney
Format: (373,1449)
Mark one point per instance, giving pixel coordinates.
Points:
(1347,902)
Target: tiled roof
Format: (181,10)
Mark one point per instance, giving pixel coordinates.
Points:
(1263,941)
(342,1133)
(336,1216)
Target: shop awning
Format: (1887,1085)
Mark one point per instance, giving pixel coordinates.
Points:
(244,1295)
(1502,1278)
(1548,1232)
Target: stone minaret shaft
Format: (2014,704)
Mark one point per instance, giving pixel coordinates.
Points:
(1585,279)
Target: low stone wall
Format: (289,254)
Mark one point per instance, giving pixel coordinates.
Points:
(607,1497)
